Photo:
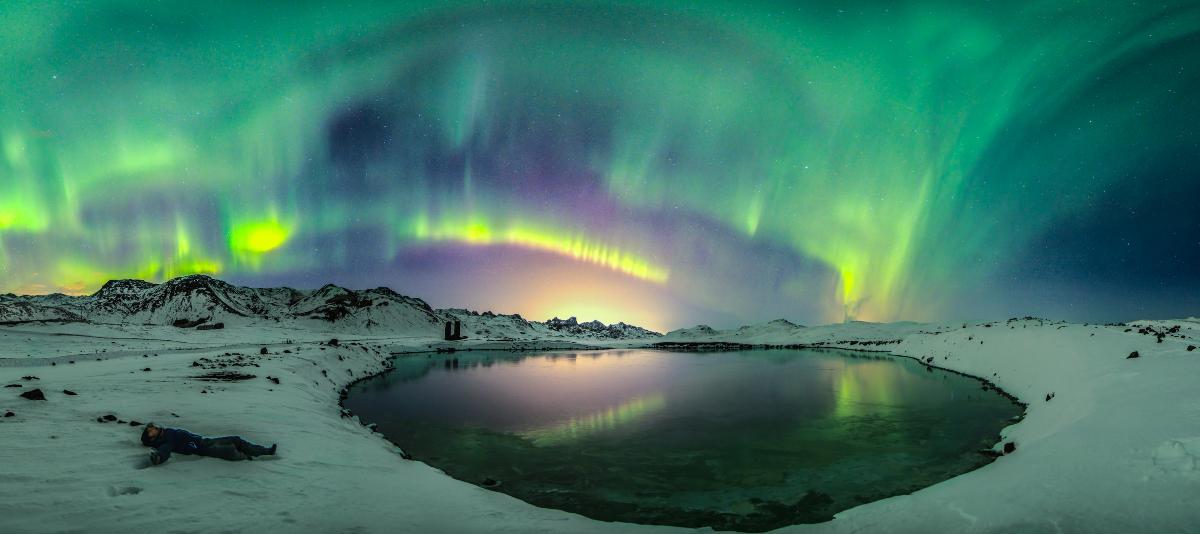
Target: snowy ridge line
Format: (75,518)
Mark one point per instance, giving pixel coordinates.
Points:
(200,301)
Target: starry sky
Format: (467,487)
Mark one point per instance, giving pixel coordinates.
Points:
(661,163)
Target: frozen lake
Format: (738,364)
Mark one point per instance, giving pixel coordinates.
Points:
(747,440)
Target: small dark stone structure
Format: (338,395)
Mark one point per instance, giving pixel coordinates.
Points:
(454,331)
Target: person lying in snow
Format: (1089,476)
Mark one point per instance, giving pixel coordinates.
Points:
(168,440)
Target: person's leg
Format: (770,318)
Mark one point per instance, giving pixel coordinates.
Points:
(250,449)
(255,449)
(225,448)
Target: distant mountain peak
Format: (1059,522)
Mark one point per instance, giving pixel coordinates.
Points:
(776,323)
(126,285)
(193,299)
(594,328)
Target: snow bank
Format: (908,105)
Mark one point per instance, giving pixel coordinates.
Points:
(62,470)
(1113,450)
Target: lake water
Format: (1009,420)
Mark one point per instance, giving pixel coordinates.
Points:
(748,440)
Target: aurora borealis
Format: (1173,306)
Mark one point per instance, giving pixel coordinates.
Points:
(660,163)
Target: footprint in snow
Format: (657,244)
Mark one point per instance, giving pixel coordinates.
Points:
(1178,457)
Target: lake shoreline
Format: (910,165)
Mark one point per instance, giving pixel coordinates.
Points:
(373,401)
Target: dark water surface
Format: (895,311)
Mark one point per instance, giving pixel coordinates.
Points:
(747,440)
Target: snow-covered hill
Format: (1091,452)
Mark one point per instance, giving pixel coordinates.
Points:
(784,332)
(488,325)
(777,331)
(15,309)
(205,302)
(700,332)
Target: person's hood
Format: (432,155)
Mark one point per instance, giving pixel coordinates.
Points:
(146,435)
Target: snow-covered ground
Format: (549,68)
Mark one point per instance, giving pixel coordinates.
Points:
(1116,449)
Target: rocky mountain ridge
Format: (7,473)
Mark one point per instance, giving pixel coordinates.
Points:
(200,301)
(597,329)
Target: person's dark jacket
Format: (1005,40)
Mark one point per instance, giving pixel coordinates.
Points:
(171,440)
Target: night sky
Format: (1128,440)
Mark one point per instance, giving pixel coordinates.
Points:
(660,163)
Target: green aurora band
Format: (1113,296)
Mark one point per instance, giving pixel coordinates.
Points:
(901,151)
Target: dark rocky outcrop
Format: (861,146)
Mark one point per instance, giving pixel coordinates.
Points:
(34,394)
(571,326)
(224,376)
(701,346)
(814,499)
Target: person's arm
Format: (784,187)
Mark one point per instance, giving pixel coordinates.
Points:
(161,454)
